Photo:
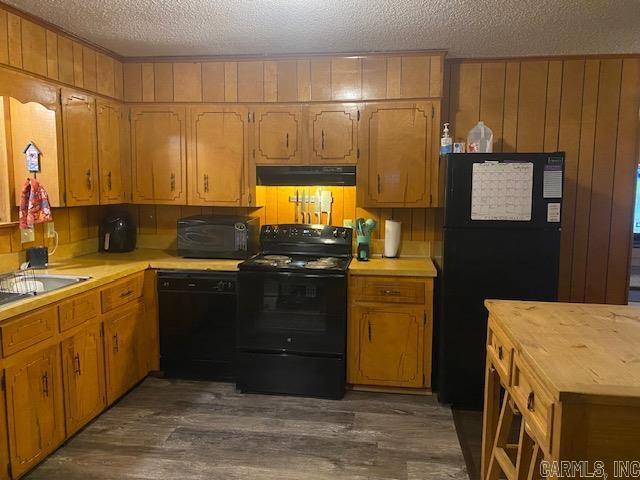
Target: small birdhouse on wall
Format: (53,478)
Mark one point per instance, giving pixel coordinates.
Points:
(32,157)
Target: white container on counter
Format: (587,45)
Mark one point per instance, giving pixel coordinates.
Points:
(392,230)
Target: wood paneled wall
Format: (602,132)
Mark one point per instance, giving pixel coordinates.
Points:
(588,108)
(28,45)
(417,223)
(72,225)
(288,79)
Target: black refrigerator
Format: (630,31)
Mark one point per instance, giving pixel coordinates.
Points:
(500,240)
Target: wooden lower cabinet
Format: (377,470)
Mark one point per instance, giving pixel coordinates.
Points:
(35,411)
(64,363)
(125,348)
(388,346)
(83,376)
(390,338)
(4,438)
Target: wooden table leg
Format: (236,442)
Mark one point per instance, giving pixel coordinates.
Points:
(502,465)
(490,415)
(526,447)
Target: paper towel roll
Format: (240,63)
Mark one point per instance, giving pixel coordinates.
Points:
(392,230)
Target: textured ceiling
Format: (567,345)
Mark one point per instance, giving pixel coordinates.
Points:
(466,28)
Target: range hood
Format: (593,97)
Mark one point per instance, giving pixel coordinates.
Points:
(306,175)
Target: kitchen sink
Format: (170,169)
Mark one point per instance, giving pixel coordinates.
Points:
(47,283)
(22,284)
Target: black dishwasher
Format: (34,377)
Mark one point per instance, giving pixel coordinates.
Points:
(197,323)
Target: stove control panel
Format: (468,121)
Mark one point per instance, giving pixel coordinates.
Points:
(306,233)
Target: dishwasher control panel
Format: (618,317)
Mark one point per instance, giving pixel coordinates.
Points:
(213,282)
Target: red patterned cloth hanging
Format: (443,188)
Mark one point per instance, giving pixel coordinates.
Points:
(34,204)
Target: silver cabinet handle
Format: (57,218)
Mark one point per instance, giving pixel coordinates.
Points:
(173,182)
(89,182)
(322,136)
(287,140)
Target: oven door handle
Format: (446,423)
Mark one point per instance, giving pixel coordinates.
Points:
(291,274)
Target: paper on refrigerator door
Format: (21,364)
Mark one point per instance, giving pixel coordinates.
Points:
(502,191)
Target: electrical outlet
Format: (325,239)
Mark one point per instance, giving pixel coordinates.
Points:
(49,230)
(27,235)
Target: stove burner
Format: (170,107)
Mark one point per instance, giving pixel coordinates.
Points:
(273,260)
(322,263)
(332,260)
(277,258)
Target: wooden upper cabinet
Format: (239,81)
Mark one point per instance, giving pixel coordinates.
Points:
(388,346)
(42,125)
(35,409)
(332,134)
(218,156)
(83,376)
(396,147)
(110,151)
(80,148)
(278,135)
(158,154)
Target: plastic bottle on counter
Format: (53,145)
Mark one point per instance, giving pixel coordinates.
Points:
(446,142)
(480,139)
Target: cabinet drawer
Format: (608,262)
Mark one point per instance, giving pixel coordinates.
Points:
(122,292)
(27,330)
(534,402)
(78,310)
(387,290)
(500,350)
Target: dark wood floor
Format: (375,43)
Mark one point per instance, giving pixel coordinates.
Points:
(203,430)
(469,427)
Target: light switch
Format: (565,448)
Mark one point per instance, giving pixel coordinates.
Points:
(27,235)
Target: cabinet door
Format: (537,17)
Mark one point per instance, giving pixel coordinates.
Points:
(387,346)
(42,125)
(34,408)
(125,352)
(5,459)
(158,155)
(80,148)
(395,141)
(332,134)
(218,155)
(83,376)
(109,123)
(278,135)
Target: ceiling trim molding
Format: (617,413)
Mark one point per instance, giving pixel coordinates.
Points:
(276,57)
(534,58)
(60,31)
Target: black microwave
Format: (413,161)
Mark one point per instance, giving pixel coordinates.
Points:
(217,236)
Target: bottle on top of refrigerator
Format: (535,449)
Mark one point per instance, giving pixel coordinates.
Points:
(480,139)
(446,142)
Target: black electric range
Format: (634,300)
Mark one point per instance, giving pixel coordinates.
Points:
(292,312)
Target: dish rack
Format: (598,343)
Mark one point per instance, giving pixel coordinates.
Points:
(22,282)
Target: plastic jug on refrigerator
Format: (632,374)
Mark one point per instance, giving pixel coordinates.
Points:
(480,139)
